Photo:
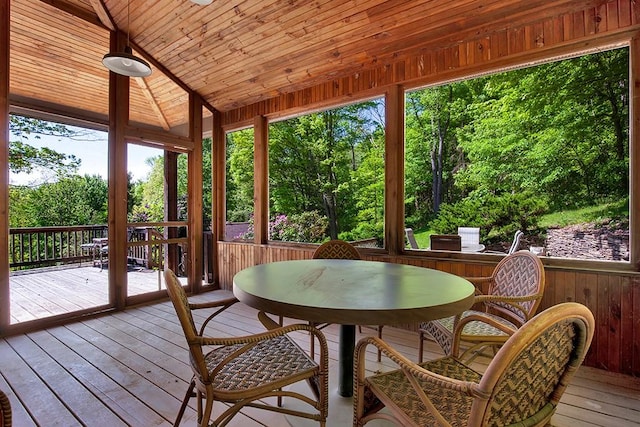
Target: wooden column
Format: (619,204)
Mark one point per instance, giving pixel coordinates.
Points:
(394,170)
(117,216)
(261,180)
(195,194)
(218,189)
(171,206)
(5,318)
(634,153)
(218,175)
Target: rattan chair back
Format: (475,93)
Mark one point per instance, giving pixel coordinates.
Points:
(521,386)
(336,249)
(245,370)
(521,275)
(181,304)
(5,408)
(543,355)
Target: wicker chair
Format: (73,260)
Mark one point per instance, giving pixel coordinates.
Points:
(515,291)
(336,249)
(5,409)
(521,386)
(244,370)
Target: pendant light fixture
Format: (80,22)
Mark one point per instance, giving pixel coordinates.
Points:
(126,63)
(202,2)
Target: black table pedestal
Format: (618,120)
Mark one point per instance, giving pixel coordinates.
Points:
(345,360)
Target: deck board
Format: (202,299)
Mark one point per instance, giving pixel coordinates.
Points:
(41,293)
(131,368)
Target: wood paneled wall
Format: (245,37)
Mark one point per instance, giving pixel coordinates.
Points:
(614,298)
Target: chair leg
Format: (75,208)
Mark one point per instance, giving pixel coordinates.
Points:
(185,402)
(199,397)
(281,323)
(208,408)
(380,336)
(421,347)
(312,344)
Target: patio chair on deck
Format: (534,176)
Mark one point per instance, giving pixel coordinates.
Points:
(521,386)
(411,238)
(515,244)
(5,410)
(515,291)
(243,371)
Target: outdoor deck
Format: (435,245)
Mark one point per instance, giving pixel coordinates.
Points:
(41,293)
(131,368)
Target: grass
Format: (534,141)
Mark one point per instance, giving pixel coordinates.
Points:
(422,238)
(597,214)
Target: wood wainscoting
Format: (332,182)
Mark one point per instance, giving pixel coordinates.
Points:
(613,297)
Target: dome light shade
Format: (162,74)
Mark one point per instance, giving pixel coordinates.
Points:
(202,2)
(127,64)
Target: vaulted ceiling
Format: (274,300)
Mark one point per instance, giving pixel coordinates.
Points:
(232,53)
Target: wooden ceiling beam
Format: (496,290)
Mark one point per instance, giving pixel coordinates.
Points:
(32,107)
(146,91)
(103,14)
(76,11)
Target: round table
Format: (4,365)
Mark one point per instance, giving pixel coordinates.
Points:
(351,293)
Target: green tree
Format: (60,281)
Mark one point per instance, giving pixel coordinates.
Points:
(239,191)
(24,157)
(433,116)
(559,130)
(312,161)
(74,200)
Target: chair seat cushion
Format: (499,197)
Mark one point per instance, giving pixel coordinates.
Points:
(265,363)
(442,329)
(394,390)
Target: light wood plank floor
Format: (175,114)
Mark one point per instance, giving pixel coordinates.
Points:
(40,293)
(131,368)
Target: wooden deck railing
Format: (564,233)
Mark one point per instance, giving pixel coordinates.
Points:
(46,246)
(37,247)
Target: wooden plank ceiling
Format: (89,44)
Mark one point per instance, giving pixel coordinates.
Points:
(233,53)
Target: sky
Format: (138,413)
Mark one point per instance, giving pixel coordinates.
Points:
(93,155)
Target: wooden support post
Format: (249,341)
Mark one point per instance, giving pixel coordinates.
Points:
(171,206)
(218,176)
(117,216)
(634,153)
(394,170)
(218,194)
(261,180)
(195,195)
(5,318)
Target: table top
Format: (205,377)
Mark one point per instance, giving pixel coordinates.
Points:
(353,292)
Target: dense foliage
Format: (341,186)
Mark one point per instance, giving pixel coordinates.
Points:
(501,150)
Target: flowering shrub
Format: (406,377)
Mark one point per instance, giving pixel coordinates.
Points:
(309,227)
